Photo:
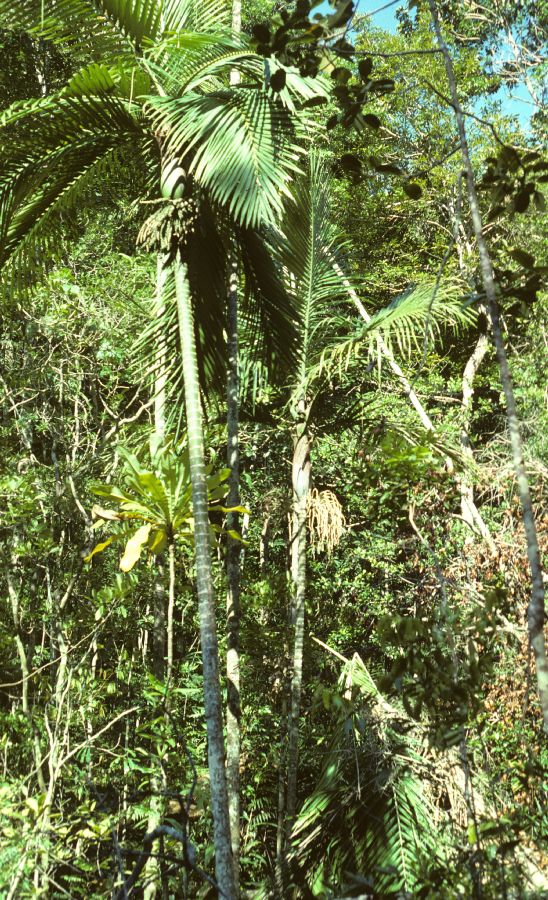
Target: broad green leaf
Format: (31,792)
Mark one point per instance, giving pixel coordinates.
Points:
(158,541)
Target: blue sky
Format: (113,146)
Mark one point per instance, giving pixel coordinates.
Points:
(384,16)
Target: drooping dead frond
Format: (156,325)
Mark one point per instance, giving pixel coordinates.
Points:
(326,520)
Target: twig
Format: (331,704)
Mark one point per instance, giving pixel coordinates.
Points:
(466,112)
(146,853)
(396,53)
(117,850)
(35,672)
(93,737)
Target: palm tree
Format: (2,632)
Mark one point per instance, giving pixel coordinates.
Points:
(377,836)
(223,157)
(311,253)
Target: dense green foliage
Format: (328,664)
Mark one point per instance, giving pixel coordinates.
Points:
(334,197)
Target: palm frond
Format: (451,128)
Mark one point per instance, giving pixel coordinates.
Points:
(57,122)
(144,22)
(239,146)
(270,320)
(306,247)
(123,79)
(80,23)
(193,60)
(410,322)
(31,223)
(111,29)
(298,89)
(187,15)
(47,168)
(199,61)
(368,822)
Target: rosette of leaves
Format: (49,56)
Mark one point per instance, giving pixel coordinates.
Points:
(153,509)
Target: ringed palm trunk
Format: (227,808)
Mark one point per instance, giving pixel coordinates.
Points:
(233,555)
(159,629)
(204,582)
(152,868)
(233,584)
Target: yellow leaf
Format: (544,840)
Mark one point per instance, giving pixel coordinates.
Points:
(98,549)
(98,512)
(134,547)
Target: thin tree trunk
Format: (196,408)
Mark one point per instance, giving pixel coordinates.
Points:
(170,610)
(301,486)
(159,623)
(469,510)
(14,596)
(233,584)
(233,550)
(535,611)
(204,583)
(158,786)
(282,771)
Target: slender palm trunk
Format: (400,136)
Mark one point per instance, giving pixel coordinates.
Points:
(204,581)
(301,487)
(158,787)
(159,627)
(233,554)
(233,583)
(535,611)
(160,379)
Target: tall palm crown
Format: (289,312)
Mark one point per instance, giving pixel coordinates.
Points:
(156,95)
